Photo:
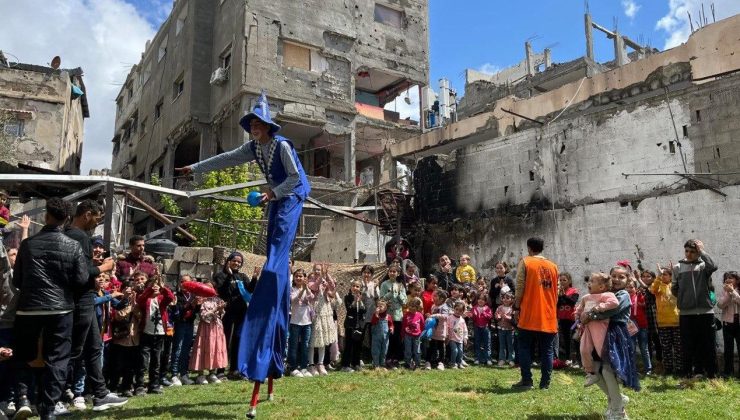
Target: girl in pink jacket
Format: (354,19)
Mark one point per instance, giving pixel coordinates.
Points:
(598,299)
(481,316)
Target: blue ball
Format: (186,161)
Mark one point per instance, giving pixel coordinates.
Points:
(254,198)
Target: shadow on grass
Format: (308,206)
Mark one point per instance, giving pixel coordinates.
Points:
(178,411)
(592,416)
(662,386)
(493,389)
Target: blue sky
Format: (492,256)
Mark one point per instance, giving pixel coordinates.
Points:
(490,34)
(105,37)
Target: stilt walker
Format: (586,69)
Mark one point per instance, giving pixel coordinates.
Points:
(265,327)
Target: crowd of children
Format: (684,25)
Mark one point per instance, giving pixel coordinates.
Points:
(155,336)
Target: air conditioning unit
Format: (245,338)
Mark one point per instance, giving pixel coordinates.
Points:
(219,76)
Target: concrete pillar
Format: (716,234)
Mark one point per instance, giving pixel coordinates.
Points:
(589,36)
(388,171)
(168,166)
(350,156)
(529,58)
(620,53)
(207,145)
(548,58)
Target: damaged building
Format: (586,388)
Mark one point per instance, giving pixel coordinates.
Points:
(604,161)
(328,68)
(42,116)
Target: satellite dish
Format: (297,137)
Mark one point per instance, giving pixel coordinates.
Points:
(56,62)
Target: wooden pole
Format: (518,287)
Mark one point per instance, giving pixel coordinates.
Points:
(159,216)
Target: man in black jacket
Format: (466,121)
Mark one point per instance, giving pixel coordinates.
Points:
(87,345)
(49,267)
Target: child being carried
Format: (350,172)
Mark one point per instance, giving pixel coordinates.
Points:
(598,299)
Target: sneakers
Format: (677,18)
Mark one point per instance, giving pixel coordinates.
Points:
(489,363)
(297,373)
(109,401)
(60,409)
(501,363)
(427,366)
(185,380)
(312,370)
(357,368)
(156,390)
(176,381)
(201,380)
(440,366)
(591,378)
(463,364)
(475,362)
(79,403)
(512,364)
(213,379)
(165,382)
(23,409)
(347,369)
(127,393)
(305,373)
(140,391)
(322,370)
(522,385)
(10,408)
(453,366)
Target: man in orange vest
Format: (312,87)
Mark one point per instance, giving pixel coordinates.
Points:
(535,309)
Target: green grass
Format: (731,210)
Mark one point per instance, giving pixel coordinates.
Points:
(474,393)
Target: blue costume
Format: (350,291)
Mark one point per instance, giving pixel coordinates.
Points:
(264,331)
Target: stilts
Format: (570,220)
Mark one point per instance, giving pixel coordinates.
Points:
(252,413)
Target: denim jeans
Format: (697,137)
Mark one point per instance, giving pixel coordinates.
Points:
(7,372)
(412,350)
(299,342)
(506,345)
(456,353)
(545,340)
(182,341)
(379,343)
(482,344)
(641,339)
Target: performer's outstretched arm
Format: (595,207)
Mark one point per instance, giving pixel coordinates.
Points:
(238,156)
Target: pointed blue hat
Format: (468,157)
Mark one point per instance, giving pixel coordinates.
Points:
(260,111)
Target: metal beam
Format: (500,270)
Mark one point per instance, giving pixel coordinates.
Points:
(211,191)
(522,116)
(341,212)
(8,178)
(240,200)
(168,228)
(109,207)
(73,196)
(159,216)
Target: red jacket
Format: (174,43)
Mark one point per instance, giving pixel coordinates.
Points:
(165,297)
(427,299)
(413,324)
(481,316)
(127,266)
(638,312)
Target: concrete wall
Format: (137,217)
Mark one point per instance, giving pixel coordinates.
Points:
(53,133)
(564,182)
(345,240)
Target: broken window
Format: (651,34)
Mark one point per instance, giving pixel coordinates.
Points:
(181,20)
(162,49)
(388,16)
(13,128)
(178,87)
(226,60)
(298,56)
(144,77)
(158,110)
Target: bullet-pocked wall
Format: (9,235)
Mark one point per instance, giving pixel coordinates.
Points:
(564,182)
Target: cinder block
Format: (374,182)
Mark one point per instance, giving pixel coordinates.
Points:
(204,271)
(187,268)
(205,256)
(186,254)
(170,267)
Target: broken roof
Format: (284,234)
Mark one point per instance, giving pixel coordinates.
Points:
(75,72)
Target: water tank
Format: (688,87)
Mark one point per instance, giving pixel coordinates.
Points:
(160,248)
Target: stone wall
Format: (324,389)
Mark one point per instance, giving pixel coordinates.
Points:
(564,181)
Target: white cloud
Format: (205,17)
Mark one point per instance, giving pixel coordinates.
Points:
(406,110)
(676,22)
(630,8)
(489,68)
(104,37)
